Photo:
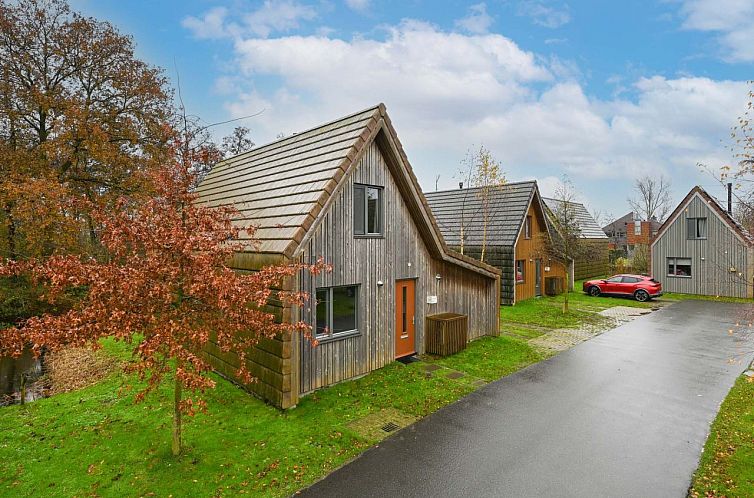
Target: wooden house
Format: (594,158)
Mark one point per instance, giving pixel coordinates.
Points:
(516,234)
(701,249)
(345,192)
(595,262)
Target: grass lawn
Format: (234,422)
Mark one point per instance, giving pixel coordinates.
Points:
(97,442)
(547,311)
(727,464)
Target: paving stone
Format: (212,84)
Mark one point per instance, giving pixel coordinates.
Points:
(432,367)
(455,375)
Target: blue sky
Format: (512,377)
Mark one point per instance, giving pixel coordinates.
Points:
(601,91)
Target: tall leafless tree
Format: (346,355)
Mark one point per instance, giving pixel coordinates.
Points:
(651,198)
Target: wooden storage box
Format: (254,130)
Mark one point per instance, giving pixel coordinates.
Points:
(447,333)
(553,286)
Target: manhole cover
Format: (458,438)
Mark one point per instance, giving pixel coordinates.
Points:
(390,427)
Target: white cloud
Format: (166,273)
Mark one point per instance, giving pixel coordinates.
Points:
(358,5)
(733,20)
(273,16)
(478,21)
(209,25)
(448,91)
(543,14)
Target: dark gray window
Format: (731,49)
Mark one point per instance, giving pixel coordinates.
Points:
(630,280)
(696,228)
(679,267)
(367,210)
(527,228)
(336,311)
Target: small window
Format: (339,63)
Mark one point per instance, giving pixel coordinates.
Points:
(336,311)
(527,227)
(630,280)
(679,267)
(637,227)
(696,228)
(520,270)
(367,210)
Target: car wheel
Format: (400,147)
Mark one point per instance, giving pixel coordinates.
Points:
(641,295)
(594,291)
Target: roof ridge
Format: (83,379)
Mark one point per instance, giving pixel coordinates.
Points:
(307,130)
(476,188)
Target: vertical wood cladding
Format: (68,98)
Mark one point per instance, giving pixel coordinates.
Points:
(531,249)
(400,254)
(720,264)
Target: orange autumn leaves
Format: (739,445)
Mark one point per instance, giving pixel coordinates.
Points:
(163,286)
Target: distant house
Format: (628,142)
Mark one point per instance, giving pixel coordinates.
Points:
(701,249)
(345,192)
(596,263)
(517,232)
(629,230)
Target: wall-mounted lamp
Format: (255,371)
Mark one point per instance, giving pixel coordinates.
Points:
(380,283)
(438,277)
(409,264)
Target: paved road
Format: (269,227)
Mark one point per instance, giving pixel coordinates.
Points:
(625,414)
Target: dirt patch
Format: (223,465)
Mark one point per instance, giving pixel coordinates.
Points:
(75,368)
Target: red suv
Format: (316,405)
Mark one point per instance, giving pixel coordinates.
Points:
(640,287)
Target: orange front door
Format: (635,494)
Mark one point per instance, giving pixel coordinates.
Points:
(404,318)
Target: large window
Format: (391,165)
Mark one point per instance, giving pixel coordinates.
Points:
(679,267)
(696,228)
(367,210)
(337,310)
(520,270)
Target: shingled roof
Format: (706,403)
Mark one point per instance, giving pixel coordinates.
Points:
(283,187)
(586,223)
(507,207)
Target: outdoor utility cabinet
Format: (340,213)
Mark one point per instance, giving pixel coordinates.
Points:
(553,286)
(446,333)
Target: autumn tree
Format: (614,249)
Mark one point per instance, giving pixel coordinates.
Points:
(164,287)
(79,113)
(651,200)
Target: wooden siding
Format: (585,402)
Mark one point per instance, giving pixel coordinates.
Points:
(501,257)
(711,258)
(598,262)
(530,250)
(400,254)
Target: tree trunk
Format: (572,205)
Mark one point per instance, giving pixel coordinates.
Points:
(177,418)
(567,281)
(12,253)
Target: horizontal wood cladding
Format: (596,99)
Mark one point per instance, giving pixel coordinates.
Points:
(501,257)
(712,259)
(269,363)
(597,264)
(401,253)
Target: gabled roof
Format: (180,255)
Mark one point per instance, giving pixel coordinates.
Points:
(620,222)
(743,234)
(586,223)
(285,187)
(458,208)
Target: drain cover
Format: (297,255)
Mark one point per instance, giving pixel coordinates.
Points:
(390,427)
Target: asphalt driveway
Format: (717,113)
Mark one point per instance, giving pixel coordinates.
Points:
(624,414)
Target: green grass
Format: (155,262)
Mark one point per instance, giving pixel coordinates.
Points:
(97,442)
(492,357)
(727,464)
